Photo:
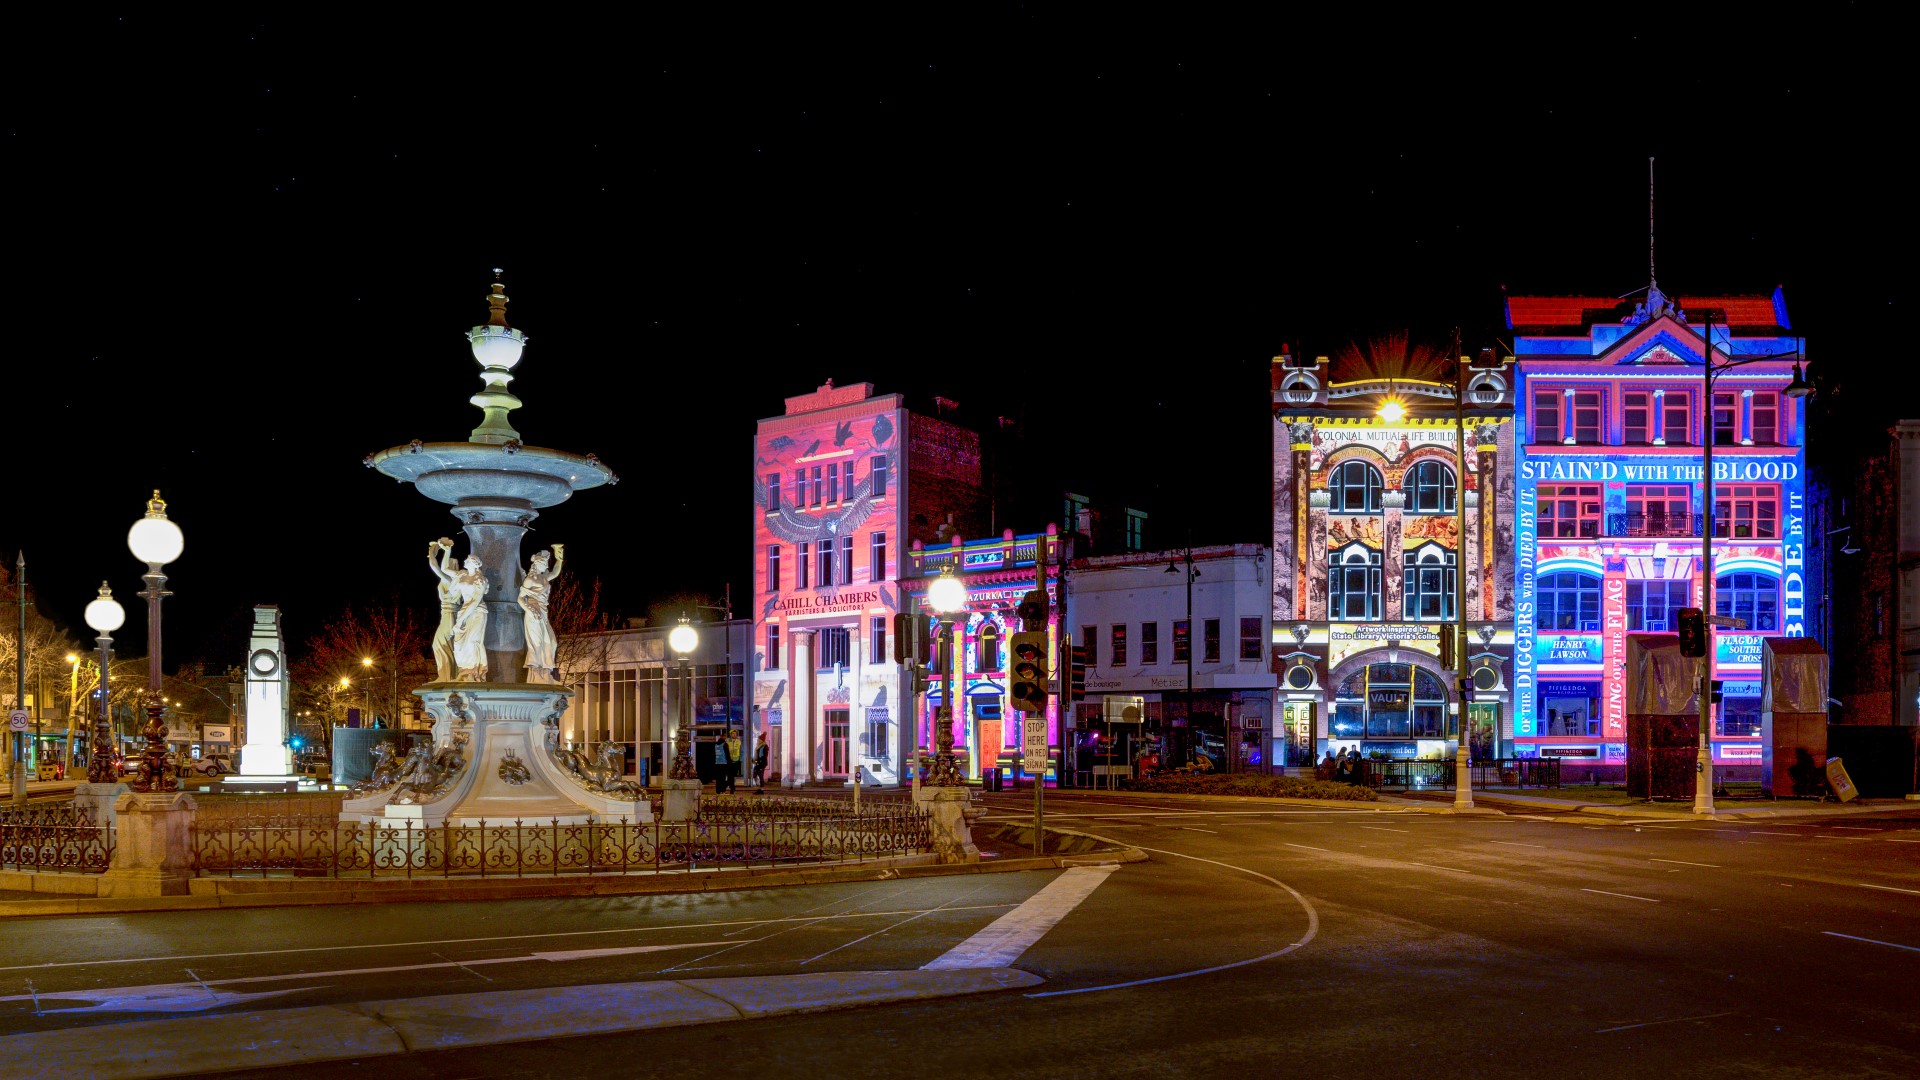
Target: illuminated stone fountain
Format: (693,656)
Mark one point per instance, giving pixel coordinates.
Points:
(497,754)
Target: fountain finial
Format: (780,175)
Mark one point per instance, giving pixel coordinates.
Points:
(497,348)
(498,299)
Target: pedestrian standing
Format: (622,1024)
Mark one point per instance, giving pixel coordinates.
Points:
(760,765)
(724,766)
(734,760)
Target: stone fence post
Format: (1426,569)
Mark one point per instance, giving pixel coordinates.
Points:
(152,845)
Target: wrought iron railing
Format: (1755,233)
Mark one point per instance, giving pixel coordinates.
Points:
(327,847)
(1652,525)
(729,808)
(65,839)
(1541,772)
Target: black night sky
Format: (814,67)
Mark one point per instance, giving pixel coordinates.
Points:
(242,252)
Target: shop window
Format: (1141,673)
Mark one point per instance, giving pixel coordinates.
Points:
(1585,411)
(1677,423)
(1739,716)
(1753,597)
(1150,643)
(1569,709)
(1353,585)
(1546,416)
(1651,604)
(1252,643)
(1569,600)
(1427,593)
(1117,644)
(1744,511)
(1765,423)
(1431,488)
(1636,417)
(1354,488)
(1569,511)
(1210,641)
(835,644)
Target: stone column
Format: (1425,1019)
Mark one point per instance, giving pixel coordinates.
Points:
(152,845)
(796,750)
(1486,441)
(493,532)
(1392,559)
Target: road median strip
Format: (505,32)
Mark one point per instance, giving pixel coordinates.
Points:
(186,1046)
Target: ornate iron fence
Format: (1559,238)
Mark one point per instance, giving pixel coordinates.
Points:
(55,838)
(327,847)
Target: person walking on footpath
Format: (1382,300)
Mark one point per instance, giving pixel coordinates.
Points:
(760,766)
(724,766)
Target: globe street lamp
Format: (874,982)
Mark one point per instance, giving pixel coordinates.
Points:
(156,541)
(947,596)
(682,640)
(105,615)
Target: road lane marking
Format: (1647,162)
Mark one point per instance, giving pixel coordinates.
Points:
(1888,888)
(1313,930)
(1890,839)
(1758,832)
(1823,837)
(1656,1023)
(1432,866)
(1871,941)
(1189,828)
(1516,843)
(1309,847)
(1683,862)
(1378,828)
(1856,828)
(1629,896)
(1001,942)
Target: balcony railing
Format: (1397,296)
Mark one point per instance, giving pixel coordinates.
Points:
(1653,525)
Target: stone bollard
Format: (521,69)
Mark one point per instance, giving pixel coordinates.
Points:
(682,802)
(947,807)
(151,845)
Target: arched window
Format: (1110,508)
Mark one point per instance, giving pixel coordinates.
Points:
(1569,600)
(1753,597)
(1353,583)
(1428,595)
(989,646)
(1430,489)
(1354,488)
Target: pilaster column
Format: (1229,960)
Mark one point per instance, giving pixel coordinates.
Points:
(796,750)
(1392,559)
(1488,459)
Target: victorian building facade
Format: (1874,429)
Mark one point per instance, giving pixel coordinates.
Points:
(1367,543)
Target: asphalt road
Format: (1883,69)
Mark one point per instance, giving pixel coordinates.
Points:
(1261,939)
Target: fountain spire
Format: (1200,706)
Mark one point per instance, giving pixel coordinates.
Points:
(497,347)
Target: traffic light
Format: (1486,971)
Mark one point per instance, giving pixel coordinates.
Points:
(1717,692)
(1033,610)
(297,742)
(1077,673)
(1447,648)
(1466,689)
(1692,624)
(1028,683)
(912,639)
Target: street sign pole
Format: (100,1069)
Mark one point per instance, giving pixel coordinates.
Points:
(1039,720)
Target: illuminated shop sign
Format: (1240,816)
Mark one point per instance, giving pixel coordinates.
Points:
(828,601)
(1526,556)
(1345,639)
(1566,690)
(1749,688)
(1566,649)
(1569,751)
(1613,703)
(1748,752)
(983,560)
(1739,470)
(1745,650)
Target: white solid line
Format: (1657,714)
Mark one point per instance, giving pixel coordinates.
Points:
(1432,866)
(1655,1023)
(1871,941)
(1683,862)
(1758,832)
(1894,840)
(1309,847)
(1839,838)
(1377,828)
(1189,828)
(1856,828)
(1002,941)
(1515,843)
(1889,888)
(1629,896)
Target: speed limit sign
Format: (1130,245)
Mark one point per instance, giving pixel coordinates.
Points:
(17,720)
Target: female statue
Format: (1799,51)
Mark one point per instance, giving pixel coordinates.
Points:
(536,591)
(440,561)
(469,634)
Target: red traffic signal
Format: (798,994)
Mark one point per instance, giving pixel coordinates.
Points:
(1692,624)
(1033,610)
(1027,676)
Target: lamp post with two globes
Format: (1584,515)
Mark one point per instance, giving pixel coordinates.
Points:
(156,541)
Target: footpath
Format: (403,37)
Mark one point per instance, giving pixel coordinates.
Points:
(1570,801)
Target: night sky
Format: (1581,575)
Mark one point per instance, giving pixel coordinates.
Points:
(242,255)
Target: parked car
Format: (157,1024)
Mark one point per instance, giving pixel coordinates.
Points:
(206,766)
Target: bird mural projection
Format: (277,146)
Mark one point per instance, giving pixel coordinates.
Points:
(798,526)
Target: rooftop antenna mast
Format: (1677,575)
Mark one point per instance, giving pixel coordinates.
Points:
(1652,277)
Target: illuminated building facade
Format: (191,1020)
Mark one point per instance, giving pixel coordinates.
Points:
(1367,543)
(844,483)
(1609,504)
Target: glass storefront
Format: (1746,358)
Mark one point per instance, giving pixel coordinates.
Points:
(1395,704)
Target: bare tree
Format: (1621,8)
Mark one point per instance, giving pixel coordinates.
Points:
(396,638)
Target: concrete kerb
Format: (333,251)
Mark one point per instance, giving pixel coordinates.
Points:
(1724,810)
(219,1043)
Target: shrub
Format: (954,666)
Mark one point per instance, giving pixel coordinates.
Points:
(1291,787)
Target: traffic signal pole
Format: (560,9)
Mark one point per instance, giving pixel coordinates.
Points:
(1040,775)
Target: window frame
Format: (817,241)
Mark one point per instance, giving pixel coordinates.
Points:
(877,640)
(1546,403)
(1355,558)
(1431,488)
(1547,504)
(877,555)
(1730,588)
(803,557)
(1149,644)
(1430,572)
(1341,489)
(1587,433)
(1648,411)
(1090,641)
(1767,403)
(1253,644)
(832,642)
(1210,641)
(877,475)
(1684,436)
(1760,501)
(773,568)
(1585,593)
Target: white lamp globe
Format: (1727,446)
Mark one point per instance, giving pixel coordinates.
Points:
(497,346)
(104,613)
(683,637)
(946,595)
(153,539)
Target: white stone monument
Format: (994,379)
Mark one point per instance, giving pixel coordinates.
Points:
(265,755)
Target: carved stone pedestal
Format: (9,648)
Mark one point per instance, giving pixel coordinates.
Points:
(682,802)
(952,838)
(99,798)
(152,845)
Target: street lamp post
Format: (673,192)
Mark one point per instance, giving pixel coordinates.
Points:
(366,693)
(156,541)
(1795,389)
(104,615)
(683,640)
(947,596)
(1192,572)
(1463,758)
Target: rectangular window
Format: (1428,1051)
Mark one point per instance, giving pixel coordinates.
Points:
(1726,418)
(773,568)
(1569,511)
(1677,426)
(1651,604)
(1182,641)
(1657,510)
(877,468)
(833,483)
(1117,637)
(1766,418)
(800,488)
(1636,417)
(879,551)
(1747,511)
(1546,416)
(846,560)
(800,564)
(774,662)
(1586,416)
(819,487)
(846,474)
(1250,639)
(1210,640)
(1136,530)
(773,491)
(1090,636)
(877,636)
(826,563)
(1150,643)
(836,648)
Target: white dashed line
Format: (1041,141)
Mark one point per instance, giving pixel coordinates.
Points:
(1629,896)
